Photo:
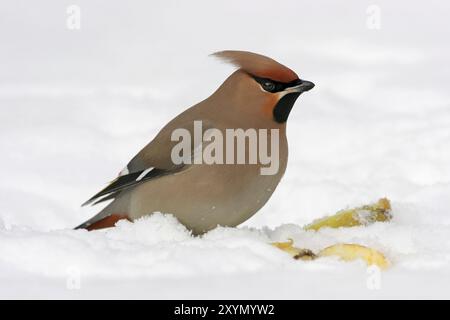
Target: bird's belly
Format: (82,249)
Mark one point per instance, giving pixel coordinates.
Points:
(203,197)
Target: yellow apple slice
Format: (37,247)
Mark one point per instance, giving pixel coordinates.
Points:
(345,251)
(364,215)
(296,253)
(350,252)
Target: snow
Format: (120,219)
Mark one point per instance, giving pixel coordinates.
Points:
(156,257)
(75,106)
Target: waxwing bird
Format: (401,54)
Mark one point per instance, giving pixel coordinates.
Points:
(258,96)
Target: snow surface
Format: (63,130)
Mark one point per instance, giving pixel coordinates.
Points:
(75,106)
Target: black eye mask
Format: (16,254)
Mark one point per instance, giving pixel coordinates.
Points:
(273,86)
(285,104)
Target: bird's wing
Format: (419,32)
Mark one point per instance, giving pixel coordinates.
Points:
(126,181)
(153,161)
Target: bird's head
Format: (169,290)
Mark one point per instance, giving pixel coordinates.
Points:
(261,87)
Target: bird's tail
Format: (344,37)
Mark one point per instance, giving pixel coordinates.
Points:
(106,218)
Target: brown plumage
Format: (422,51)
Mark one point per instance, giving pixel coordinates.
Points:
(258,95)
(258,65)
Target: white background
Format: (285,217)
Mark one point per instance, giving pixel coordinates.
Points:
(76,105)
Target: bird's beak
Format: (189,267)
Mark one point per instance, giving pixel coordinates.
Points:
(302,87)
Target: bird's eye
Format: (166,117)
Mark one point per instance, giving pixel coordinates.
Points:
(269,86)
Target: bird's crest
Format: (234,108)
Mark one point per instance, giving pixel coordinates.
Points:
(258,65)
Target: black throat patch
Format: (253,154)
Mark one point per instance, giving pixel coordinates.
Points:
(284,107)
